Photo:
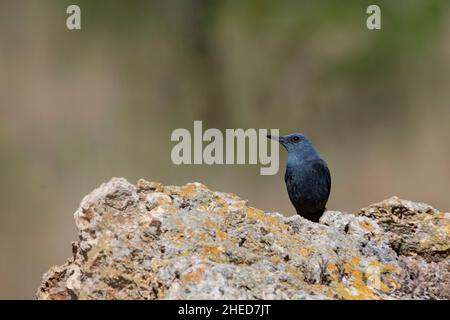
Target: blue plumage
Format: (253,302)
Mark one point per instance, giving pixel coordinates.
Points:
(307,177)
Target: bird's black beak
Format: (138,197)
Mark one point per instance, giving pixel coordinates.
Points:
(276,138)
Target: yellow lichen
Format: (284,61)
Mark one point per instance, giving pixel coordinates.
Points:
(381,274)
(294,271)
(239,204)
(270,221)
(357,289)
(214,226)
(222,235)
(305,251)
(103,245)
(361,284)
(221,207)
(212,252)
(188,190)
(275,259)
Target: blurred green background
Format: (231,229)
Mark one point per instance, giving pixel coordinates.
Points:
(79,107)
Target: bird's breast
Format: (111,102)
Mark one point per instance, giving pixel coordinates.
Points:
(304,183)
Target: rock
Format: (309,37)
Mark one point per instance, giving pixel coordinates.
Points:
(152,241)
(412,228)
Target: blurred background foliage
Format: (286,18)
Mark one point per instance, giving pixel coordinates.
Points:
(79,107)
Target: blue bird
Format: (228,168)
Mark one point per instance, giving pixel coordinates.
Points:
(307,177)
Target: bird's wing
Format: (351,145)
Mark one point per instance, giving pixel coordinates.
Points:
(322,168)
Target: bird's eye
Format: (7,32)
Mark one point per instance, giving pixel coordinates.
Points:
(295,139)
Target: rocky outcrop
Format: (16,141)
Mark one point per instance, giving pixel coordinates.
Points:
(166,242)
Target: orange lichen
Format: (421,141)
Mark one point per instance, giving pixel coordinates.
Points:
(357,287)
(332,267)
(188,190)
(222,235)
(366,225)
(329,293)
(239,204)
(384,276)
(202,236)
(305,251)
(214,226)
(221,207)
(358,290)
(257,214)
(194,276)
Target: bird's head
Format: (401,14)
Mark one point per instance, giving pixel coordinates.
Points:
(296,144)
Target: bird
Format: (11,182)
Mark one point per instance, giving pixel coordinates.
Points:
(307,177)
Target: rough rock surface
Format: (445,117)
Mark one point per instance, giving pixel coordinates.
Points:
(166,242)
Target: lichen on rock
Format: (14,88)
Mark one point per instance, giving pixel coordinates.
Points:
(152,241)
